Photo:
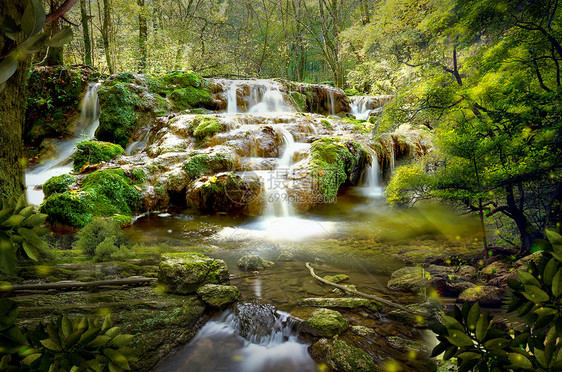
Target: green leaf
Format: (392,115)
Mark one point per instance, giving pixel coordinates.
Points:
(459,338)
(481,328)
(27,211)
(553,237)
(8,67)
(30,359)
(30,251)
(542,311)
(549,271)
(121,340)
(50,344)
(31,237)
(107,323)
(473,316)
(73,338)
(539,354)
(468,355)
(14,220)
(64,36)
(10,28)
(34,220)
(33,17)
(439,349)
(66,326)
(89,336)
(112,332)
(34,43)
(99,341)
(114,368)
(527,278)
(117,358)
(496,344)
(452,323)
(557,283)
(7,254)
(535,294)
(520,361)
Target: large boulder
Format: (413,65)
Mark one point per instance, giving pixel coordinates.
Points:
(325,323)
(184,273)
(218,295)
(409,279)
(487,296)
(255,319)
(337,355)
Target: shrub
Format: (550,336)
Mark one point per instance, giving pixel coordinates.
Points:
(481,345)
(97,232)
(94,152)
(67,208)
(58,184)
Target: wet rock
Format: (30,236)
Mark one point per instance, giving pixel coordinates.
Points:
(495,268)
(337,355)
(409,279)
(501,281)
(405,346)
(325,323)
(362,330)
(336,278)
(522,263)
(218,295)
(184,273)
(226,192)
(256,319)
(427,311)
(451,281)
(343,302)
(253,263)
(487,296)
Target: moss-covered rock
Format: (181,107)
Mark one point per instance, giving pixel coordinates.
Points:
(218,295)
(184,273)
(487,296)
(253,263)
(340,302)
(325,323)
(94,152)
(190,97)
(58,184)
(405,345)
(409,279)
(204,126)
(120,107)
(225,192)
(206,164)
(104,193)
(337,355)
(338,278)
(53,97)
(333,162)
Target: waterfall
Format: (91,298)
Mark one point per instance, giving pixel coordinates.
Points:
(137,146)
(266,98)
(61,163)
(372,186)
(332,102)
(361,107)
(392,159)
(232,100)
(219,345)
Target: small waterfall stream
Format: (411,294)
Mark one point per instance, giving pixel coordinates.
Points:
(372,186)
(61,163)
(231,94)
(265,97)
(225,344)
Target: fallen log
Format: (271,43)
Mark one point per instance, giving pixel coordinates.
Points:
(365,295)
(76,285)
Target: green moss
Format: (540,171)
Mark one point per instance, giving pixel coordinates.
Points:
(203,127)
(201,164)
(119,112)
(352,92)
(325,323)
(336,278)
(351,359)
(67,208)
(138,176)
(331,163)
(58,184)
(94,152)
(184,79)
(184,273)
(253,263)
(218,295)
(125,77)
(122,220)
(299,100)
(190,97)
(326,123)
(110,192)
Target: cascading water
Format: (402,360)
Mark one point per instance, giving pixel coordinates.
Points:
(360,107)
(232,100)
(332,97)
(61,163)
(219,346)
(372,187)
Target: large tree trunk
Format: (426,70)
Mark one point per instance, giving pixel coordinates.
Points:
(86,33)
(105,34)
(12,109)
(54,55)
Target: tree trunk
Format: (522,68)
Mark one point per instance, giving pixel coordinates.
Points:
(105,34)
(527,232)
(143,36)
(54,55)
(12,116)
(86,33)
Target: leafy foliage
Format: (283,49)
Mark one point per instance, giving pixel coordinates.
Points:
(94,152)
(64,345)
(100,232)
(481,345)
(20,233)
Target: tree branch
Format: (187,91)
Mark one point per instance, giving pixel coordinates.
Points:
(64,8)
